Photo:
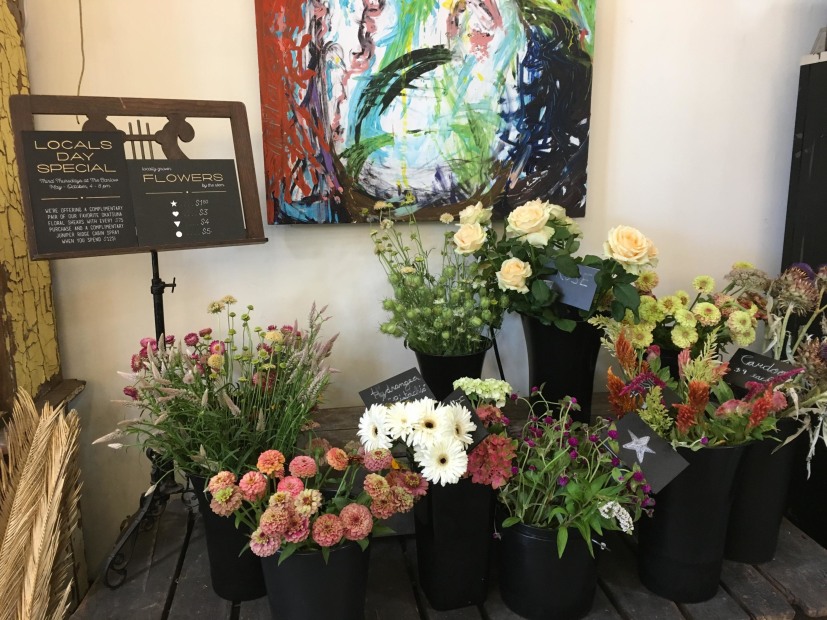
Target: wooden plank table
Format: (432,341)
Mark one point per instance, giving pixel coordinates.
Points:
(169,578)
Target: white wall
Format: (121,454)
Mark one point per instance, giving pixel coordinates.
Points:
(693,111)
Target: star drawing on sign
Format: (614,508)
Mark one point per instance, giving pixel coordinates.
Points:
(173,204)
(640,446)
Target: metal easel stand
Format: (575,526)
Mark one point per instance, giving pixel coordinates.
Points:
(162,482)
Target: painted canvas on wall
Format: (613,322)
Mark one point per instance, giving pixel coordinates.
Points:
(429,105)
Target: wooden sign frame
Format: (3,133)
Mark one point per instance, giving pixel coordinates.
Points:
(97,110)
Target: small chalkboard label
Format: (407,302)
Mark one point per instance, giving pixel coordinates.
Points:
(639,444)
(79,191)
(458,397)
(186,201)
(747,366)
(576,292)
(405,386)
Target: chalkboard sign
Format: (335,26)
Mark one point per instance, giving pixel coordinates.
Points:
(747,366)
(79,190)
(576,292)
(405,386)
(185,200)
(639,444)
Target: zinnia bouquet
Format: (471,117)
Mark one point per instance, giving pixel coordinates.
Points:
(313,502)
(539,241)
(438,436)
(210,403)
(450,311)
(567,477)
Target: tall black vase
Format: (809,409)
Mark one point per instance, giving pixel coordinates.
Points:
(440,371)
(304,586)
(563,361)
(760,497)
(537,584)
(681,547)
(454,531)
(235,575)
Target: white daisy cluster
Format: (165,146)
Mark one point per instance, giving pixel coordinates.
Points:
(613,510)
(438,434)
(485,390)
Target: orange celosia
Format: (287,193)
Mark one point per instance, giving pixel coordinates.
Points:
(621,405)
(689,413)
(625,354)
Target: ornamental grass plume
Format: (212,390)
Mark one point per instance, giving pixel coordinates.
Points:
(567,478)
(451,310)
(320,506)
(211,403)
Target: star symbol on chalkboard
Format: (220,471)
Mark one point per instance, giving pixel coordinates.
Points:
(173,204)
(640,446)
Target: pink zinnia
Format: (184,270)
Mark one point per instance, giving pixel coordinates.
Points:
(271,462)
(226,501)
(298,529)
(337,459)
(402,500)
(356,521)
(303,467)
(327,530)
(262,545)
(275,520)
(217,347)
(379,459)
(191,339)
(375,485)
(292,485)
(308,502)
(253,486)
(383,506)
(221,480)
(415,484)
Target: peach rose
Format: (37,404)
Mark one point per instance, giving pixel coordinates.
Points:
(631,248)
(528,218)
(475,214)
(513,274)
(469,238)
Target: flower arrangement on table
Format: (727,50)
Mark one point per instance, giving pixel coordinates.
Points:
(453,310)
(313,503)
(683,321)
(566,477)
(705,412)
(438,436)
(539,241)
(210,403)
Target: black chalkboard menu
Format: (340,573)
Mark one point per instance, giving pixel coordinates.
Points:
(79,190)
(87,198)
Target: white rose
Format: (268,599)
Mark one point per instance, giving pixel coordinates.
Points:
(469,238)
(475,214)
(540,238)
(528,218)
(631,248)
(557,212)
(513,274)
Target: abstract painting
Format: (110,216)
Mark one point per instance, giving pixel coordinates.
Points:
(429,105)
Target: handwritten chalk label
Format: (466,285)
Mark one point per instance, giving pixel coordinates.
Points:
(408,385)
(748,366)
(639,444)
(576,292)
(458,397)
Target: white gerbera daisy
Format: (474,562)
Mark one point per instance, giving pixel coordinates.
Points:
(372,428)
(399,420)
(430,424)
(443,462)
(460,423)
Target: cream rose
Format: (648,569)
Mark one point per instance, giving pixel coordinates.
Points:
(513,274)
(475,214)
(528,218)
(469,238)
(631,248)
(557,212)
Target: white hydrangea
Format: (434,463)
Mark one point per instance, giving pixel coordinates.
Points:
(494,390)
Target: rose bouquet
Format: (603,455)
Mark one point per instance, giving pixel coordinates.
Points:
(567,477)
(539,241)
(453,310)
(313,502)
(210,403)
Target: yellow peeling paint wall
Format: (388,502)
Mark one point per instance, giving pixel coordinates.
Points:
(28,339)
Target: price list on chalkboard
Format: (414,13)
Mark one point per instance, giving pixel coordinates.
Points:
(185,201)
(79,190)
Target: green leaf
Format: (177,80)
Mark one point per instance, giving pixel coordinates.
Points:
(382,530)
(562,539)
(363,543)
(540,291)
(567,325)
(618,310)
(627,295)
(325,554)
(509,521)
(566,265)
(286,551)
